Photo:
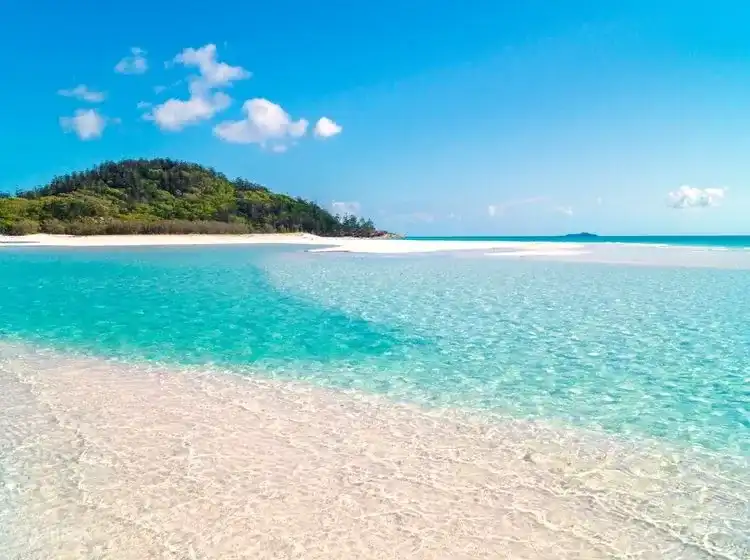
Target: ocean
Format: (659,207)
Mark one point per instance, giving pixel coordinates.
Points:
(726,241)
(434,406)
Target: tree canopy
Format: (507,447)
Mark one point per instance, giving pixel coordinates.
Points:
(166,196)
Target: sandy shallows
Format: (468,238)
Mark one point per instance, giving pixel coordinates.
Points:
(106,460)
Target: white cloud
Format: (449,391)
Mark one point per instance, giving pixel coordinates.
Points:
(176,114)
(325,128)
(345,208)
(83,93)
(134,64)
(159,89)
(86,123)
(212,72)
(492,210)
(143,105)
(204,102)
(567,210)
(265,122)
(693,197)
(599,201)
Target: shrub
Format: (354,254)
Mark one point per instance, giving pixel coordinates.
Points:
(53,227)
(85,228)
(23,227)
(161,227)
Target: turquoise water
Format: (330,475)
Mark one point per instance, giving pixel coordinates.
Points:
(728,241)
(636,351)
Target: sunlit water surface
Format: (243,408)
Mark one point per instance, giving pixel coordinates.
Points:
(549,409)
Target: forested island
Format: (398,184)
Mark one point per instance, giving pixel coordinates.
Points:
(163,196)
(582,234)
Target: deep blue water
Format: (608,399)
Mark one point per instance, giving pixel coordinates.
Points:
(643,351)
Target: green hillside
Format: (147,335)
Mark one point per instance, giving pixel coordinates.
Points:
(165,196)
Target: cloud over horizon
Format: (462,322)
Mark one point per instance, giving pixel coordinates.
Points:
(351,208)
(694,197)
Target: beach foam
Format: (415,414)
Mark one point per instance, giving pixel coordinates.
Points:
(111,460)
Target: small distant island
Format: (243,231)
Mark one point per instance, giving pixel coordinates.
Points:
(164,196)
(582,234)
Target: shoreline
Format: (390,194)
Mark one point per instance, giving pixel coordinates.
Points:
(329,244)
(48,240)
(139,461)
(618,253)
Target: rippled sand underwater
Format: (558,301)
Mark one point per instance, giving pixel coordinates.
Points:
(106,460)
(557,410)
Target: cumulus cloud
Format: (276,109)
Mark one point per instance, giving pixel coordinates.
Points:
(265,123)
(693,197)
(136,63)
(176,114)
(204,102)
(83,93)
(345,208)
(87,124)
(213,74)
(325,128)
(567,210)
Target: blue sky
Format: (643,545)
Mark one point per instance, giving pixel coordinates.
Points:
(439,117)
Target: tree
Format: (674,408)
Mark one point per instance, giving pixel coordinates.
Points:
(163,195)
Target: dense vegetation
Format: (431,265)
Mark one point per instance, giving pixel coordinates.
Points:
(165,196)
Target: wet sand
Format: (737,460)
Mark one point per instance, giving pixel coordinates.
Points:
(108,460)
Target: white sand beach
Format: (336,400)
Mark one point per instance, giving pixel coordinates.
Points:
(335,244)
(47,240)
(604,253)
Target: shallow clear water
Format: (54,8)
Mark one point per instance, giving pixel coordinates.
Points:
(648,351)
(564,409)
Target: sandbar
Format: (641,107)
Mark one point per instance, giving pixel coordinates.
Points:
(323,244)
